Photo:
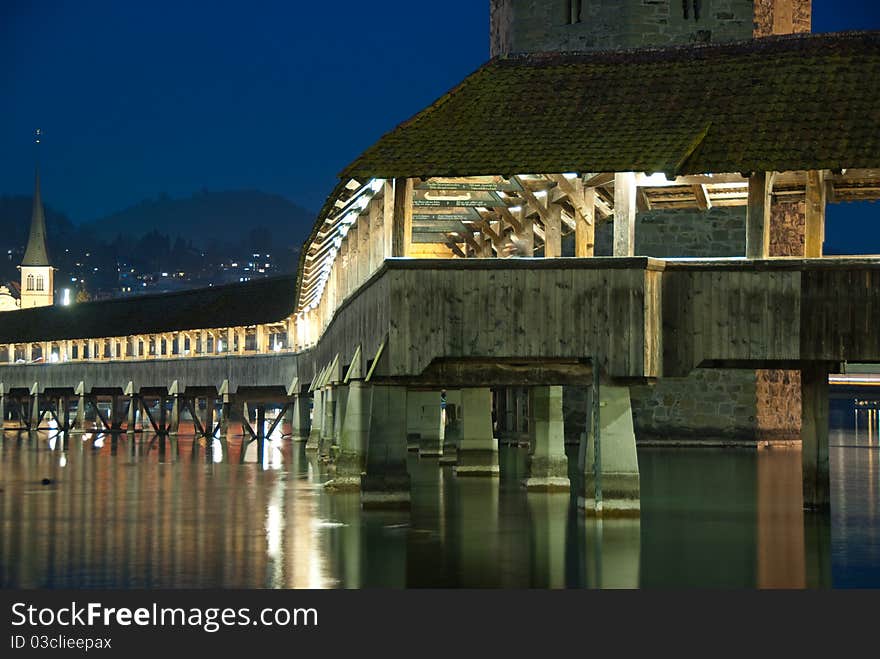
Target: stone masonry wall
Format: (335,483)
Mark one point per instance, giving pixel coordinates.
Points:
(544,25)
(715,404)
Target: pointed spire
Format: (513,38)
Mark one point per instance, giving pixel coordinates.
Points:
(36,252)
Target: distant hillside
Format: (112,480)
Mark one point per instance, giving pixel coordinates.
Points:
(15,221)
(214,220)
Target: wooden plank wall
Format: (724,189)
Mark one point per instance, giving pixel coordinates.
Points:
(840,319)
(519,313)
(729,314)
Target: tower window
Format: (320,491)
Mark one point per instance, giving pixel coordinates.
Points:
(39,282)
(573,11)
(692,7)
(30,282)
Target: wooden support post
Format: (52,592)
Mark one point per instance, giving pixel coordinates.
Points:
(376,233)
(387,231)
(174,392)
(262,339)
(585,225)
(814,436)
(35,407)
(814,235)
(210,403)
(624,214)
(401,235)
(163,416)
(80,423)
(64,404)
(115,408)
(131,418)
(351,277)
(553,231)
(363,232)
(261,432)
(225,409)
(342,270)
(2,406)
(758,215)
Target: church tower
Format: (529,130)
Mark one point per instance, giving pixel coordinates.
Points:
(37,273)
(559,25)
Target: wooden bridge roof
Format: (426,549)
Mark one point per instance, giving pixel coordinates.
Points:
(234,305)
(794,102)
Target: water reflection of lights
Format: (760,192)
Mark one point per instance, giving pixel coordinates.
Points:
(62,461)
(99,441)
(272,458)
(216,451)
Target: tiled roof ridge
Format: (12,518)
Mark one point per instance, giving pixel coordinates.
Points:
(765,45)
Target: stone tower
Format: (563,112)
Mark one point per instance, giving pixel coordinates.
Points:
(560,25)
(37,273)
(736,404)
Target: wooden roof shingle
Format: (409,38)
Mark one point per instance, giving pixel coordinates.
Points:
(792,102)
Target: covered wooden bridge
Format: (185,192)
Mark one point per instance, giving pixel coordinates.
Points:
(462,252)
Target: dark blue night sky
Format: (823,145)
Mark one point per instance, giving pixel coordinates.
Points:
(140,98)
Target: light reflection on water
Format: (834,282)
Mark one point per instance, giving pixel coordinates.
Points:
(125,513)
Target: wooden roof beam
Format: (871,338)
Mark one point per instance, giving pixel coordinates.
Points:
(702,196)
(575,194)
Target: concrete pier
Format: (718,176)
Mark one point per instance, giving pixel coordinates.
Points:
(300,419)
(619,466)
(314,440)
(548,469)
(354,437)
(477,448)
(425,420)
(386,482)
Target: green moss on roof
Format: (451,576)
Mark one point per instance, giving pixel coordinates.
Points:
(774,104)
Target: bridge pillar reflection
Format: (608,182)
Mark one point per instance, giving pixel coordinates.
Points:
(814,436)
(477,447)
(548,469)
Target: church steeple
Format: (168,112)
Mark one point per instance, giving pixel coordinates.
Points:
(36,253)
(37,274)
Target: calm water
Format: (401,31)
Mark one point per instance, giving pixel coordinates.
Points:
(128,515)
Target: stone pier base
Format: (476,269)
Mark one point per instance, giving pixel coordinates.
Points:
(619,469)
(386,482)
(477,448)
(548,468)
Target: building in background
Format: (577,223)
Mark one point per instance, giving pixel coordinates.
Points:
(37,273)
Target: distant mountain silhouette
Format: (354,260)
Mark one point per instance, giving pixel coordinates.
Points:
(211,220)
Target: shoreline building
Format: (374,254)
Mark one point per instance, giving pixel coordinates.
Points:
(37,273)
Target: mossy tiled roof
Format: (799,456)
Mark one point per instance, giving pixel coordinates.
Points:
(779,103)
(254,302)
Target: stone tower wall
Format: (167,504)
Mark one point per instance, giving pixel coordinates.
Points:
(546,25)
